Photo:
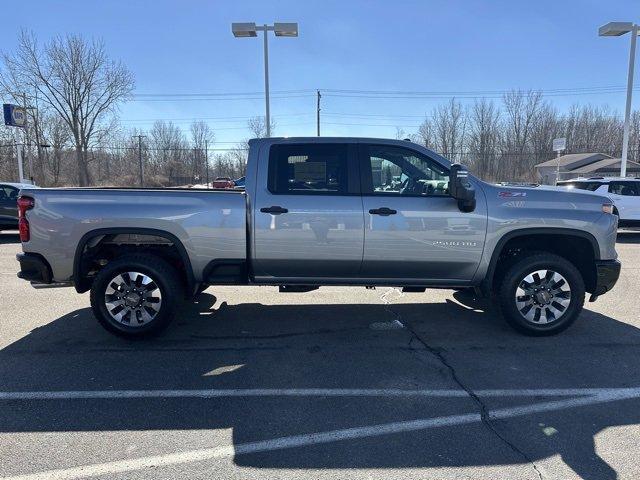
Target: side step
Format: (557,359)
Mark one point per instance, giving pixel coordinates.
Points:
(297,288)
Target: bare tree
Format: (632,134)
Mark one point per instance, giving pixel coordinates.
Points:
(55,133)
(547,125)
(258,126)
(634,136)
(484,138)
(201,136)
(168,148)
(592,128)
(425,134)
(449,124)
(521,109)
(75,78)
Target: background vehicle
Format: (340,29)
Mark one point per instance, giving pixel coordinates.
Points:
(222,182)
(623,192)
(325,211)
(239,182)
(9,204)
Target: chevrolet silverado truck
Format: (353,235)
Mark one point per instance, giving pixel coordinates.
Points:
(324,211)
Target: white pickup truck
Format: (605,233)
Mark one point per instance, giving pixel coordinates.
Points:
(324,211)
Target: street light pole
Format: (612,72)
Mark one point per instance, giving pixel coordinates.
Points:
(265,29)
(627,111)
(241,30)
(615,29)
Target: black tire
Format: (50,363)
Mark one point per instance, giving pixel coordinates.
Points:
(516,273)
(160,272)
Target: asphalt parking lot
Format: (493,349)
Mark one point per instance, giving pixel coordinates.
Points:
(336,383)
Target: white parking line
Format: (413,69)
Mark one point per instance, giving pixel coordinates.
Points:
(311,392)
(192,456)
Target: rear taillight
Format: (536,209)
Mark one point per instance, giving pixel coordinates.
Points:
(24,204)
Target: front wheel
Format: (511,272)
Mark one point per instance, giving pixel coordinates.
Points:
(541,294)
(136,295)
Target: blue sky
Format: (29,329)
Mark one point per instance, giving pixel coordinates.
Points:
(443,46)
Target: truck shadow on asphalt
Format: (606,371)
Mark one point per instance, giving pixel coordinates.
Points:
(219,346)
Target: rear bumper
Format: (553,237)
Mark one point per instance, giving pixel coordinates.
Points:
(607,273)
(34,267)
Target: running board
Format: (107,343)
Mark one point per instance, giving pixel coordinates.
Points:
(297,288)
(413,289)
(51,285)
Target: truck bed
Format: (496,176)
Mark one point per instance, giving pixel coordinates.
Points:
(210,224)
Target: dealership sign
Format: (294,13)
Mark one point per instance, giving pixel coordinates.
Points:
(559,144)
(14,115)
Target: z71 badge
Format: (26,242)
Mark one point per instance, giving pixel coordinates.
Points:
(512,194)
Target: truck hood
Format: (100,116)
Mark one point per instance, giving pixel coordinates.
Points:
(558,196)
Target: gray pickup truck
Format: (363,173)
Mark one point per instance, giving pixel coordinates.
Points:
(324,211)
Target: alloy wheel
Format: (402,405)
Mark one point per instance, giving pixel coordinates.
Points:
(543,296)
(133,298)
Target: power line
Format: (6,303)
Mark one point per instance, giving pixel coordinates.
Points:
(360,93)
(228,128)
(222,119)
(220,94)
(463,92)
(208,99)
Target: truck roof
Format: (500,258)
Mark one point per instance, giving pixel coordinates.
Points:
(382,141)
(599,179)
(333,139)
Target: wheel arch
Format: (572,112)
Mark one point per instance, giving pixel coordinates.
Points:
(82,284)
(530,235)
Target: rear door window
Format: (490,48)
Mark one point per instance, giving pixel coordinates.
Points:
(309,169)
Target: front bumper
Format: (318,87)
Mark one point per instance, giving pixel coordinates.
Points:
(34,267)
(607,273)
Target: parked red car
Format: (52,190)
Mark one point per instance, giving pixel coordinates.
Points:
(222,182)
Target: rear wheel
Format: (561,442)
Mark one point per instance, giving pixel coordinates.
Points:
(541,294)
(136,295)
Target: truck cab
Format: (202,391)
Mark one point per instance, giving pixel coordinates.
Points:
(353,212)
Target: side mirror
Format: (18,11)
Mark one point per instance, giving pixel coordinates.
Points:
(461,189)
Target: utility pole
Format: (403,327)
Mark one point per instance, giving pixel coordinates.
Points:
(318,112)
(206,159)
(140,137)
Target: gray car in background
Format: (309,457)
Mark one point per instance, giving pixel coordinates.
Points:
(325,211)
(9,204)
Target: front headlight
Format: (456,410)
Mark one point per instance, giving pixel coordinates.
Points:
(607,208)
